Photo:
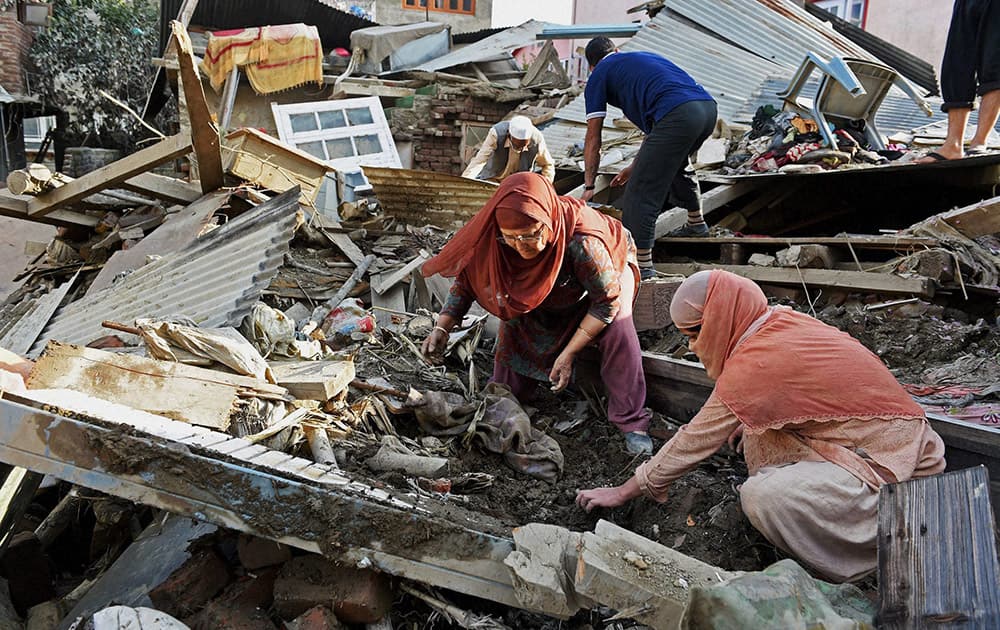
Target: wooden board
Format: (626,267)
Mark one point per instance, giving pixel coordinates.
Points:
(976,220)
(173,390)
(851,280)
(16,207)
(651,310)
(858,241)
(937,555)
(314,380)
(262,159)
(109,176)
(162,187)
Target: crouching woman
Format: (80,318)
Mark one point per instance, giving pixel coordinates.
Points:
(823,424)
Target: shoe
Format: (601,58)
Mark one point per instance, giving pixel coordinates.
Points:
(646,273)
(638,443)
(697,229)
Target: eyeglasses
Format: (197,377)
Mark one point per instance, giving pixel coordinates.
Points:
(528,239)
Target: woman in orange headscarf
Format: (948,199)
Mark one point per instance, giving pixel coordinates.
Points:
(823,425)
(559,275)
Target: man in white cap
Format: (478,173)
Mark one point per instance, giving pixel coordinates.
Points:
(511,146)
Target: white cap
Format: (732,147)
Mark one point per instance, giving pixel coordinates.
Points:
(520,127)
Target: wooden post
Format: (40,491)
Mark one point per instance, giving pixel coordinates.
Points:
(937,555)
(204,135)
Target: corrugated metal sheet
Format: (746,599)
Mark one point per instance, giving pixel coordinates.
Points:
(25,331)
(561,138)
(422,197)
(489,48)
(334,26)
(214,280)
(460,39)
(730,74)
(910,66)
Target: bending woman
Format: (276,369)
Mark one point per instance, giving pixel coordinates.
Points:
(824,425)
(559,275)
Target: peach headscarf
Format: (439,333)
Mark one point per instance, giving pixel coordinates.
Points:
(775,366)
(504,283)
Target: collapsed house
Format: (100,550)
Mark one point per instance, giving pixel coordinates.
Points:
(227,370)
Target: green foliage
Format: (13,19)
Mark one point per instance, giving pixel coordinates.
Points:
(94,45)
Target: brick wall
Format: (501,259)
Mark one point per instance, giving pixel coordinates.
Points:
(15,39)
(436,131)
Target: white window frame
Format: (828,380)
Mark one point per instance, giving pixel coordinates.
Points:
(45,123)
(842,9)
(379,127)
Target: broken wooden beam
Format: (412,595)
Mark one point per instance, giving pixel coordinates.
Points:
(16,207)
(850,280)
(108,176)
(937,554)
(204,134)
(164,188)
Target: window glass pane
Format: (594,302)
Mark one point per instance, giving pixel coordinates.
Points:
(453,5)
(339,148)
(32,127)
(467,6)
(314,149)
(856,11)
(360,116)
(303,122)
(332,120)
(368,145)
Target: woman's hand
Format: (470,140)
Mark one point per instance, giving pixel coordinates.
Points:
(735,440)
(434,345)
(562,371)
(601,497)
(587,195)
(622,178)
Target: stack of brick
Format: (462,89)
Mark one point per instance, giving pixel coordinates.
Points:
(438,125)
(15,40)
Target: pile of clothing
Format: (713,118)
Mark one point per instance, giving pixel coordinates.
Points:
(785,141)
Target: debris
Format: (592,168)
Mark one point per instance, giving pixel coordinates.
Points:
(395,456)
(356,595)
(192,585)
(271,164)
(314,380)
(258,553)
(125,618)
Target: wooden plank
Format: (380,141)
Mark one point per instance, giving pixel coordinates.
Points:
(937,555)
(259,502)
(204,134)
(314,380)
(855,280)
(16,492)
(173,390)
(16,207)
(976,220)
(857,241)
(22,335)
(161,187)
(109,176)
(262,159)
(651,310)
(385,281)
(341,240)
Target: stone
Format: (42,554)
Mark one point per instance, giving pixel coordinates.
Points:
(316,618)
(257,553)
(44,616)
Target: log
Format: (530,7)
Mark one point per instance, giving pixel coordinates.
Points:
(35,180)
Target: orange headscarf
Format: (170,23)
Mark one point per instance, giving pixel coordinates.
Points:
(504,283)
(775,367)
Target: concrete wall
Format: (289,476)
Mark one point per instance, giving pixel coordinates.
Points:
(15,39)
(604,12)
(392,12)
(917,26)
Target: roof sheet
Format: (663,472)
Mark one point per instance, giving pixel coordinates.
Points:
(421,197)
(489,48)
(214,280)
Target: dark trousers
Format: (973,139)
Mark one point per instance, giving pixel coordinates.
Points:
(659,180)
(971,62)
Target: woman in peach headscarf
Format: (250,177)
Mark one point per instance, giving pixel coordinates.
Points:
(559,275)
(823,425)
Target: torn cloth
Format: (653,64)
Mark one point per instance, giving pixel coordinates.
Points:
(275,58)
(975,405)
(501,425)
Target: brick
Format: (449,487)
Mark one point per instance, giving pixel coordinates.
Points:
(27,569)
(356,595)
(257,553)
(242,606)
(317,618)
(190,586)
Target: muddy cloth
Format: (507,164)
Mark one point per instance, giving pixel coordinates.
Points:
(498,422)
(781,596)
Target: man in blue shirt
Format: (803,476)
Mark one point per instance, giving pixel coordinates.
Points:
(674,112)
